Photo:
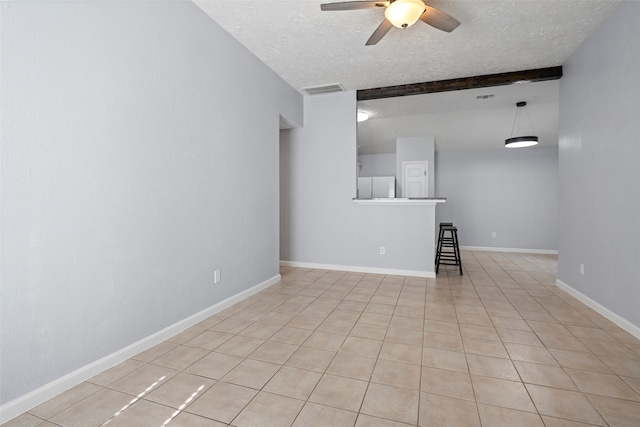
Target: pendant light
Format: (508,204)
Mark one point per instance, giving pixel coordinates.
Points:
(521,141)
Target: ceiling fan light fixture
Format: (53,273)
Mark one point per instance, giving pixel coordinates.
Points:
(521,141)
(404,13)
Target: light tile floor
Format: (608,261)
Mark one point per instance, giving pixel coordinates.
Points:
(499,346)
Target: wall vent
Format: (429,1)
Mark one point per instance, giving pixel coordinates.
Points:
(318,90)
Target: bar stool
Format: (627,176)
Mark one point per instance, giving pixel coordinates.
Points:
(441,236)
(448,251)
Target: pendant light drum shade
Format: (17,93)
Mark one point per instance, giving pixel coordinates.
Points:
(521,141)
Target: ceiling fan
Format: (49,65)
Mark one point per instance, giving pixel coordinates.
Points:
(399,13)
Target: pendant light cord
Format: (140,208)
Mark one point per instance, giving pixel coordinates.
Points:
(516,121)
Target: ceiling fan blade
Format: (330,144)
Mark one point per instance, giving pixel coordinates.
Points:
(379,33)
(353,5)
(439,19)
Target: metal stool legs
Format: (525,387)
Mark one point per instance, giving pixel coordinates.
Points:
(448,251)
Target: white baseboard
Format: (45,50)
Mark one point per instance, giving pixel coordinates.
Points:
(356,269)
(526,251)
(618,320)
(32,399)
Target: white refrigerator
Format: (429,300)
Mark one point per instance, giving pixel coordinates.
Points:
(376,187)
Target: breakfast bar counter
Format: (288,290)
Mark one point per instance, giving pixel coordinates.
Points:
(412,201)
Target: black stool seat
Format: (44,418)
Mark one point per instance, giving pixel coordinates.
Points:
(448,251)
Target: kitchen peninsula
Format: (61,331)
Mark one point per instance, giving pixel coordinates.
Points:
(420,245)
(412,201)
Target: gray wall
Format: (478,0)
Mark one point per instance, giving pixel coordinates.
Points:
(512,192)
(320,222)
(378,164)
(415,148)
(599,166)
(129,174)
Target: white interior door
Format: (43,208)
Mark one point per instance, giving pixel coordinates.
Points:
(414,179)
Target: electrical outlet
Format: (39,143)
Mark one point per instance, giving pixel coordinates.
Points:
(582,269)
(382,250)
(216,277)
(493,235)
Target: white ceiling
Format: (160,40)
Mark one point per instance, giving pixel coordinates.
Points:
(459,120)
(308,47)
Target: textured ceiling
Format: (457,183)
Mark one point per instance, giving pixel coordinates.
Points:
(308,47)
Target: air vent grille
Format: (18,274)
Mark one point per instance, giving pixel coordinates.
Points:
(318,90)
